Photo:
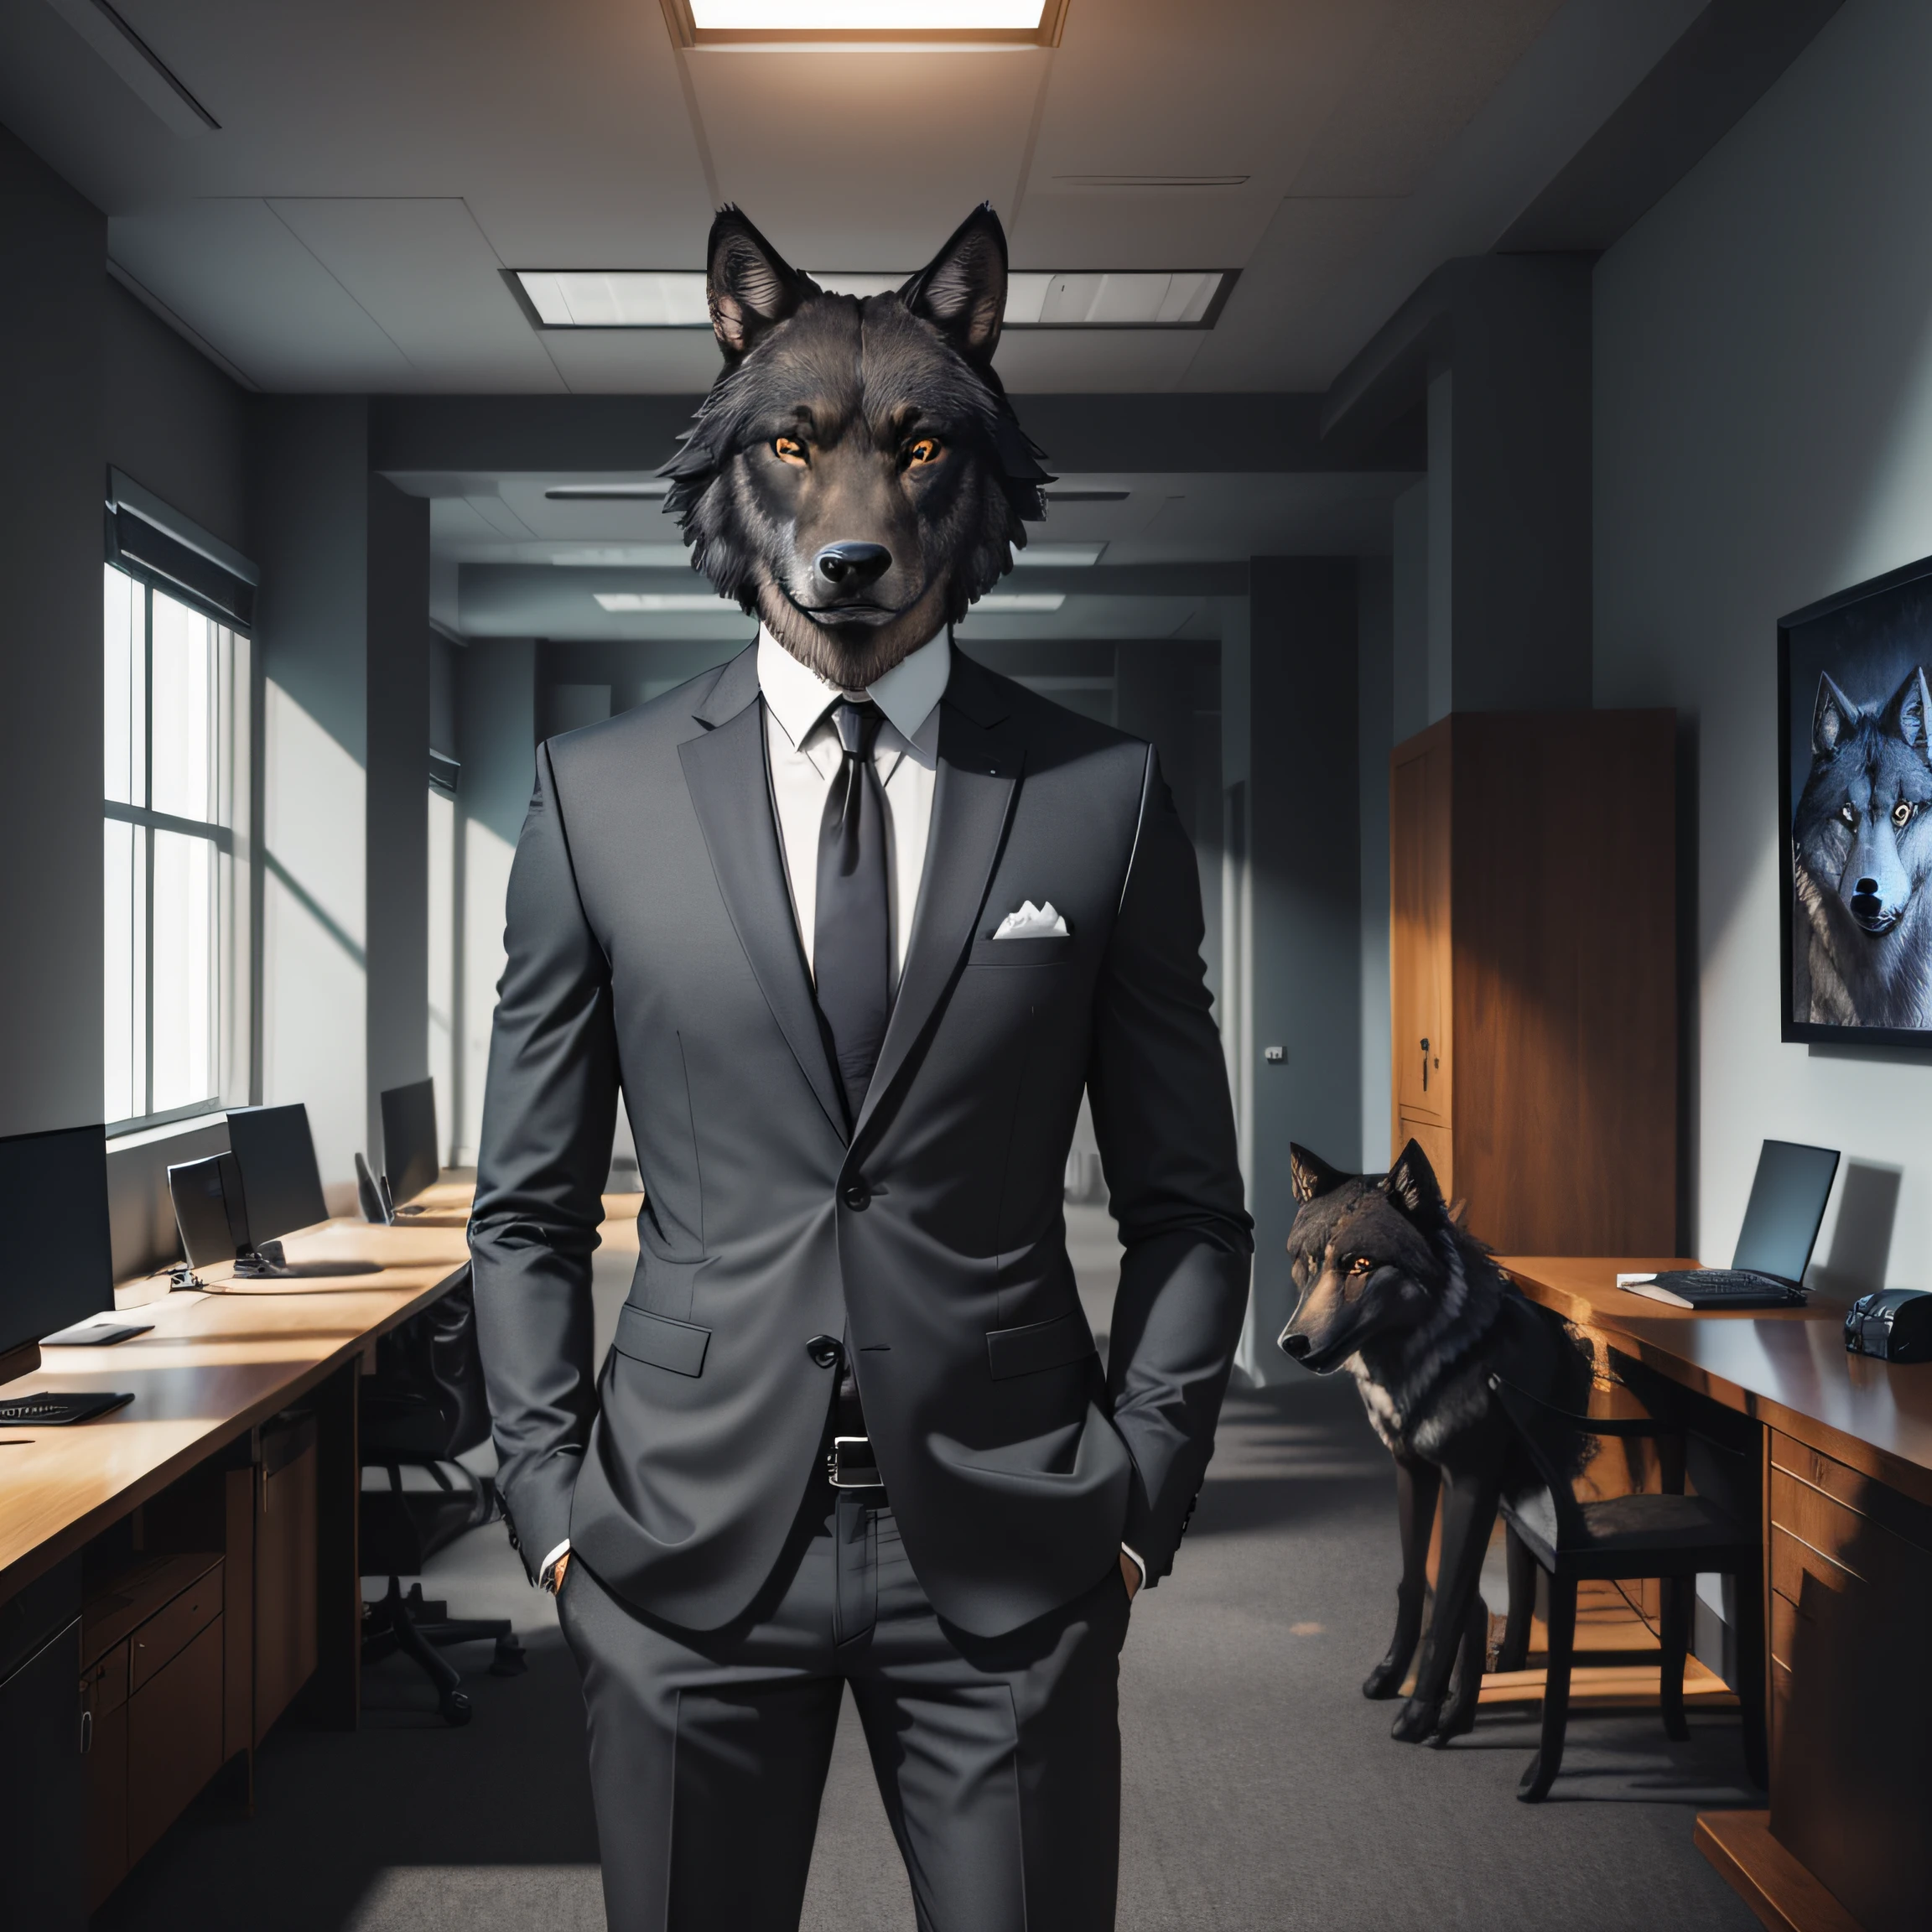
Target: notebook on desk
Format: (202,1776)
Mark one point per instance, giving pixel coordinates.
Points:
(1781,1223)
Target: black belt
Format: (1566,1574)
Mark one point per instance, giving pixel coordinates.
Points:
(850,1463)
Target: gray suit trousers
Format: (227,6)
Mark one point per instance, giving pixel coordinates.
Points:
(997,1759)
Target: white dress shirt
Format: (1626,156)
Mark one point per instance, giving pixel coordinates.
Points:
(801,747)
(802,752)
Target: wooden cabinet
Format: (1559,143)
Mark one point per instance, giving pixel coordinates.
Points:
(1533,974)
(1851,1702)
(151,1694)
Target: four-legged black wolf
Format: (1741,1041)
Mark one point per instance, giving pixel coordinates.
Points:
(1414,1307)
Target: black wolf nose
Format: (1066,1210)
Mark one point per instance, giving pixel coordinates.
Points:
(853,566)
(1867,888)
(1296,1345)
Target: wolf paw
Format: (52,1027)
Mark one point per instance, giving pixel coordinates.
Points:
(1415,1721)
(1384,1680)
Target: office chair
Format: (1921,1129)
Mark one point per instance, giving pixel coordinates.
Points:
(423,1407)
(1674,1537)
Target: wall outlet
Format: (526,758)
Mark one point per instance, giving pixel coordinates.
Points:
(1275,1056)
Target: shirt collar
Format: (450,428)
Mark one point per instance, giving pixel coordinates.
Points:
(909,694)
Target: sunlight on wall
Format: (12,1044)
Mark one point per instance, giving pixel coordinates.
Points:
(486,857)
(443,982)
(313,972)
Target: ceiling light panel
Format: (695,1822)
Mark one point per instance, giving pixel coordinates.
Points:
(961,22)
(671,298)
(663,602)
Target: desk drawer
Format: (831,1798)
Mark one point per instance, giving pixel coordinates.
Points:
(174,1738)
(171,1629)
(1854,1544)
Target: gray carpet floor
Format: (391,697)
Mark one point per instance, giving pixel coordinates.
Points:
(1261,1790)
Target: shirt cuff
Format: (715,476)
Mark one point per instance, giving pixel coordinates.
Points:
(1132,1555)
(547,1570)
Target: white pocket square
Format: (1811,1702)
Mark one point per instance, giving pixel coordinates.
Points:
(1033,922)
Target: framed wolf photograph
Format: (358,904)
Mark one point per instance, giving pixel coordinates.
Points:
(1854,783)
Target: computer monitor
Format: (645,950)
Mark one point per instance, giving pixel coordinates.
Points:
(57,1261)
(1786,1208)
(409,1158)
(210,1209)
(280,1181)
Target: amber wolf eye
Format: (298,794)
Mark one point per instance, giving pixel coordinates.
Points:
(927,449)
(788,449)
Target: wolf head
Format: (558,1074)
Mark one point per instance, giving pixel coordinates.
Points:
(1378,1259)
(856,476)
(1861,832)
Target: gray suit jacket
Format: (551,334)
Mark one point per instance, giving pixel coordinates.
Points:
(652,950)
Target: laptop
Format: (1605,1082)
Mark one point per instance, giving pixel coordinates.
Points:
(1781,1225)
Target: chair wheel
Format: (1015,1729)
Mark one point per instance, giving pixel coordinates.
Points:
(510,1660)
(456,1708)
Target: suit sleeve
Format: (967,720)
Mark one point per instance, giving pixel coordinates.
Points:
(1161,1113)
(548,1112)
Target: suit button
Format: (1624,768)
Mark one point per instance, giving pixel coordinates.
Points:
(825,1350)
(856,1196)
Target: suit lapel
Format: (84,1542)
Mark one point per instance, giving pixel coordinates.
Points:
(729,779)
(979,772)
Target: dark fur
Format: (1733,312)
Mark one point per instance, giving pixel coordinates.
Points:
(1863,937)
(856,382)
(1396,1292)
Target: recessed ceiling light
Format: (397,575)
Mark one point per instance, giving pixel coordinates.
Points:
(1020,603)
(1036,298)
(1150,180)
(607,492)
(1087,495)
(1056,556)
(665,602)
(622,557)
(997,23)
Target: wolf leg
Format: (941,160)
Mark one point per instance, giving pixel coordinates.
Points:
(1417,1484)
(1468,1513)
(1465,1686)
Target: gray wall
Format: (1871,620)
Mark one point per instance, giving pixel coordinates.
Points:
(52,470)
(496,728)
(396,848)
(1763,410)
(172,421)
(1375,737)
(1303,938)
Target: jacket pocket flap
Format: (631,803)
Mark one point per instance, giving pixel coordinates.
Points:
(1040,951)
(678,1346)
(1039,1345)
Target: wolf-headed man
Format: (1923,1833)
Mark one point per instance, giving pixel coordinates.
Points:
(851,924)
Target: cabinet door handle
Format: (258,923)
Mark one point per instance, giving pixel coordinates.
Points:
(1425,1066)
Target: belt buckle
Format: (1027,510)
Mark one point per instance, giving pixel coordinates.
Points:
(852,1465)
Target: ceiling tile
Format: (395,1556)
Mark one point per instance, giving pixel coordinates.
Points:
(865,161)
(237,275)
(423,270)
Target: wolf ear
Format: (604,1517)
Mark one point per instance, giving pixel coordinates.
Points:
(1311,1175)
(1411,1184)
(1910,711)
(962,291)
(749,286)
(1832,717)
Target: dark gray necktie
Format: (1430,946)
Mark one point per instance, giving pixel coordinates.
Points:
(852,933)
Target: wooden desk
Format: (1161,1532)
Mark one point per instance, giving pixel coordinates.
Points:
(182,1468)
(1847,1447)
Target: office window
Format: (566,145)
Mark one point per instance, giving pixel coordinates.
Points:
(175,766)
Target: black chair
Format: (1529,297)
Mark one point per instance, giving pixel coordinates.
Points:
(1674,1537)
(423,1406)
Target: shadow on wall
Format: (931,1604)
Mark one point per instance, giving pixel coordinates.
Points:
(1862,1240)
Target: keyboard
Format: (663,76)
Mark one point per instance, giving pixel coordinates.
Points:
(57,1411)
(1716,1288)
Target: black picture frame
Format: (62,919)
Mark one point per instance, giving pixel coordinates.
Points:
(1873,632)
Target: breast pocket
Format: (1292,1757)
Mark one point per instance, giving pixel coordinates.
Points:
(1055,951)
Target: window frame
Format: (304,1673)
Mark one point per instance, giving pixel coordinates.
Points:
(231,989)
